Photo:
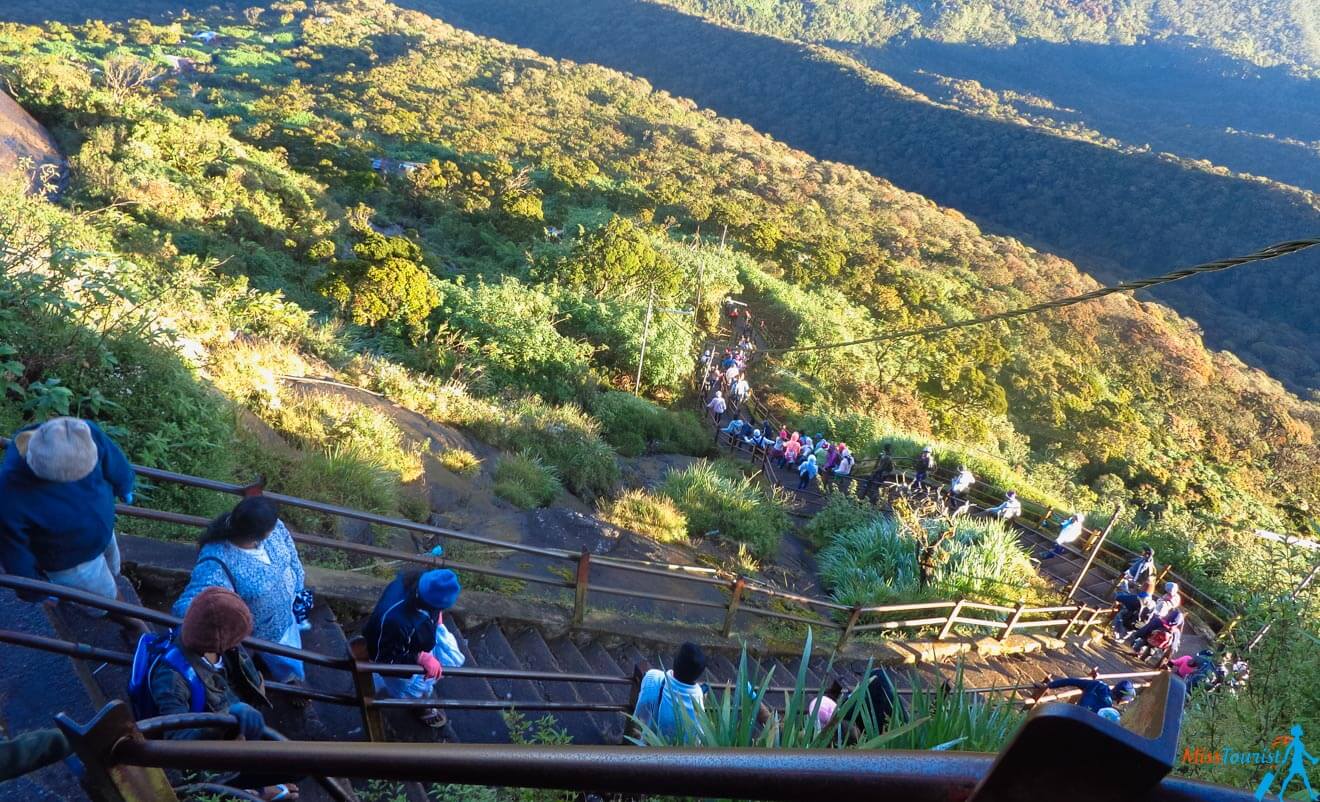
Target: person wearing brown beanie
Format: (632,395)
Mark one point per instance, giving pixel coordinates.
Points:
(210,641)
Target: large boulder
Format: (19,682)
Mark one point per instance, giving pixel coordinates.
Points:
(25,144)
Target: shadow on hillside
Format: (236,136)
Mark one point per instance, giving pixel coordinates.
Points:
(1192,102)
(1117,215)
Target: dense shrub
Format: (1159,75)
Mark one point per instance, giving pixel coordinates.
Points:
(511,326)
(654,516)
(635,425)
(841,513)
(718,499)
(386,282)
(877,563)
(564,438)
(526,481)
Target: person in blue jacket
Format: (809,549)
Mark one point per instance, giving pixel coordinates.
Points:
(807,472)
(406,628)
(1097,694)
(58,483)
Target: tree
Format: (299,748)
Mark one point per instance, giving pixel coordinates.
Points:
(619,260)
(123,74)
(387,282)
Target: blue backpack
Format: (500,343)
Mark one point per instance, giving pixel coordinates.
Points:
(151,649)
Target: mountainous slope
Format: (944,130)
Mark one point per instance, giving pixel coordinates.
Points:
(1264,31)
(412,199)
(1119,211)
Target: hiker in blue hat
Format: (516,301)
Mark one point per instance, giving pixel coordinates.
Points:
(406,629)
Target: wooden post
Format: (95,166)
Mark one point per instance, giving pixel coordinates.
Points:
(1012,621)
(948,624)
(734,601)
(580,587)
(848,628)
(1041,523)
(1090,558)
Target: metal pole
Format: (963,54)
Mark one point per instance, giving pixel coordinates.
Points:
(1090,558)
(1305,583)
(734,601)
(580,587)
(646,332)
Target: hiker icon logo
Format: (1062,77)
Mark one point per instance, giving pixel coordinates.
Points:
(1295,758)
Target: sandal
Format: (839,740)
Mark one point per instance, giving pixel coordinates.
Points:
(433,717)
(277,793)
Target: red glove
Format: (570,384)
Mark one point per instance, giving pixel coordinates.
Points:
(430,665)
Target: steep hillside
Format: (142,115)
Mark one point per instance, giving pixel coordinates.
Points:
(414,205)
(1264,31)
(1118,211)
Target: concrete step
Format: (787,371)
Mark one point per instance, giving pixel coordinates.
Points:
(602,662)
(491,648)
(571,660)
(34,686)
(628,655)
(470,726)
(103,681)
(322,721)
(720,668)
(535,655)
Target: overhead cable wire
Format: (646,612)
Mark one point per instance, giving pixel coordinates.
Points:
(1272,252)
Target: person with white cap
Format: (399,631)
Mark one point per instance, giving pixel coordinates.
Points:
(59,482)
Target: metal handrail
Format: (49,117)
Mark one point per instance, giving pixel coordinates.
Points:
(795,774)
(345,663)
(444,562)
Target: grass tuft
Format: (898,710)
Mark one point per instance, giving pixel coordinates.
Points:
(526,481)
(656,517)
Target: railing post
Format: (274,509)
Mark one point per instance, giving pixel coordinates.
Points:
(1012,621)
(1041,523)
(1090,558)
(580,587)
(852,622)
(948,624)
(738,585)
(1073,621)
(364,686)
(255,488)
(1090,622)
(103,780)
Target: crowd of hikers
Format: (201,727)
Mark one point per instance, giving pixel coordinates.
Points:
(60,481)
(1150,624)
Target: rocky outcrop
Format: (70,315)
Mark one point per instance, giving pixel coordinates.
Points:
(26,145)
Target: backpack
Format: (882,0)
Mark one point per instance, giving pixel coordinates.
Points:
(151,649)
